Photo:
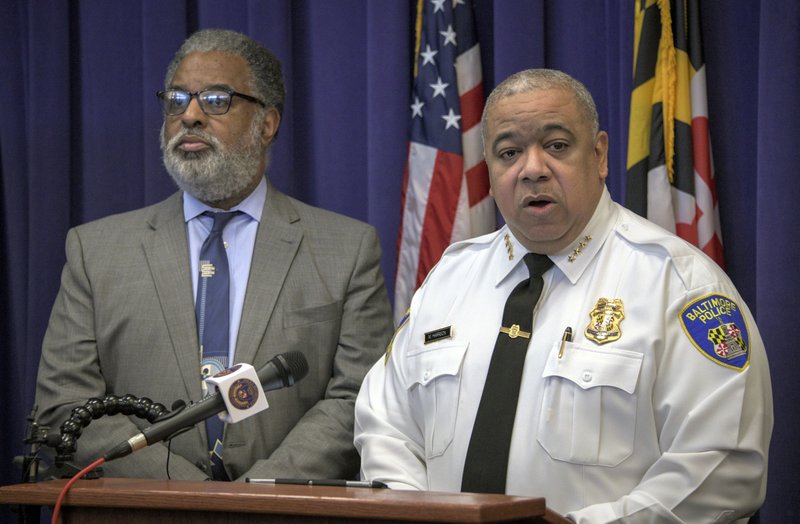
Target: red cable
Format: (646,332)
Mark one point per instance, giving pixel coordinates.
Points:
(69,484)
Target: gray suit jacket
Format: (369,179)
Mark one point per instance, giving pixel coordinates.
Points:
(124,323)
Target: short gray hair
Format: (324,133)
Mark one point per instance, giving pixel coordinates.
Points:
(539,80)
(265,69)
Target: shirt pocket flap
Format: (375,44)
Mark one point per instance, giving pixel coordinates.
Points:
(436,361)
(588,368)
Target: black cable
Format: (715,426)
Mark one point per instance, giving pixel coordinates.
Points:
(169,454)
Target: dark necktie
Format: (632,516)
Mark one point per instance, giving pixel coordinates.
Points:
(213,324)
(487,456)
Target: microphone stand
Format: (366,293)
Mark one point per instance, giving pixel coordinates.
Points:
(35,436)
(65,442)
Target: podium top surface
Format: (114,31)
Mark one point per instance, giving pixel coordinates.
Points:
(421,506)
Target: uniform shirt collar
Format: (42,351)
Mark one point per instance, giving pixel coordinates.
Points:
(252,206)
(575,258)
(508,253)
(572,260)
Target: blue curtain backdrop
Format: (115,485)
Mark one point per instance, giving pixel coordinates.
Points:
(79,128)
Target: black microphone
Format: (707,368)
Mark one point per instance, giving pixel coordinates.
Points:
(280,372)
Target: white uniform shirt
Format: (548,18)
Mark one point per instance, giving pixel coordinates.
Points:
(645,427)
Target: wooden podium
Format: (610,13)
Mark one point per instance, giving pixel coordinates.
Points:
(122,501)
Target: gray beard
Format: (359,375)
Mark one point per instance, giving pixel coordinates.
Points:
(217,173)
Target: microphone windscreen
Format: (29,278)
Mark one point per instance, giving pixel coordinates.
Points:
(296,364)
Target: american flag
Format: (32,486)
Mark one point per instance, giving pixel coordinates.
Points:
(446,183)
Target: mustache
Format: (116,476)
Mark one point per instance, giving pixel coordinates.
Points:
(211,140)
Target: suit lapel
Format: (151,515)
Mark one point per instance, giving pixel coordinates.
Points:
(277,242)
(167,253)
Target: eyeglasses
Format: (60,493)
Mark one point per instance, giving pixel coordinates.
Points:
(212,101)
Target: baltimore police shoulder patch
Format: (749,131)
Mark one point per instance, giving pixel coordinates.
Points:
(715,325)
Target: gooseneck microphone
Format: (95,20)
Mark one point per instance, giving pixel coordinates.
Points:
(280,372)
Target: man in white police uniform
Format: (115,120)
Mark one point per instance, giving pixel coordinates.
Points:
(645,393)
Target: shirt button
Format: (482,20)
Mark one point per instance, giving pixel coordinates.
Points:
(587,376)
(427,375)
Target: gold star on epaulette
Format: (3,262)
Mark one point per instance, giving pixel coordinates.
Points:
(582,244)
(509,247)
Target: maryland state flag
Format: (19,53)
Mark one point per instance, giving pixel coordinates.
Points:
(670,170)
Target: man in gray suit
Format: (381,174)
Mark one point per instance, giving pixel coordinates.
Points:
(300,279)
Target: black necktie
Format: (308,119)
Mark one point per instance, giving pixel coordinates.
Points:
(213,323)
(487,456)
